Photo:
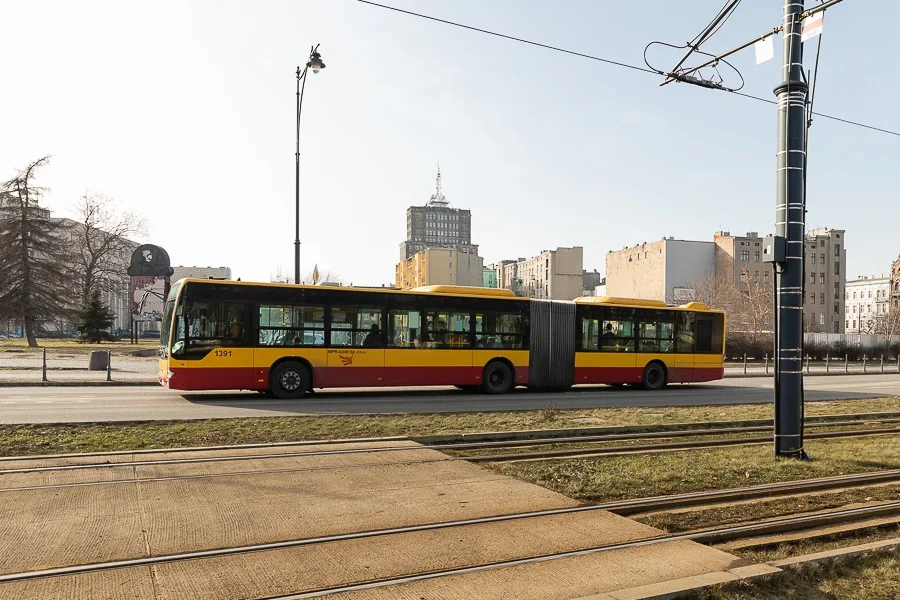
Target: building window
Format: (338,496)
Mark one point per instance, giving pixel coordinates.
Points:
(766,277)
(848,324)
(646,254)
(812,298)
(756,276)
(836,327)
(870,293)
(854,295)
(822,278)
(745,255)
(812,318)
(822,259)
(837,268)
(854,323)
(812,277)
(821,243)
(822,299)
(822,319)
(837,308)
(837,250)
(812,258)
(756,256)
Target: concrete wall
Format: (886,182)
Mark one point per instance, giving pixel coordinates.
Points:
(687,264)
(637,272)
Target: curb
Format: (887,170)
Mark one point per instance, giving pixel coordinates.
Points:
(147,383)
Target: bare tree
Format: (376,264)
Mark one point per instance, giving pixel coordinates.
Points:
(102,243)
(34,268)
(887,325)
(324,276)
(747,304)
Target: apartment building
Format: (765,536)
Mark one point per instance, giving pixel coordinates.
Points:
(825,285)
(489,277)
(865,299)
(668,269)
(551,275)
(440,266)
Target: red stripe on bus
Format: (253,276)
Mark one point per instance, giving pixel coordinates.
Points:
(249,378)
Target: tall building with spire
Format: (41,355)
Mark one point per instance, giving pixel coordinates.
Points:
(437,225)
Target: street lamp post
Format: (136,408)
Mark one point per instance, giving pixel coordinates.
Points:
(315,63)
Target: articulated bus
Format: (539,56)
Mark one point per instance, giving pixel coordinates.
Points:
(287,340)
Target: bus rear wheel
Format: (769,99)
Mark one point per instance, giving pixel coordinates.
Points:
(289,380)
(497,378)
(654,376)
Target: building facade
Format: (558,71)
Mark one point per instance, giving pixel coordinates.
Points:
(895,284)
(590,280)
(551,275)
(489,277)
(669,270)
(865,300)
(440,266)
(201,273)
(437,225)
(825,285)
(672,270)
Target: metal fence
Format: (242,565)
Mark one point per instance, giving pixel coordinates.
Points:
(864,342)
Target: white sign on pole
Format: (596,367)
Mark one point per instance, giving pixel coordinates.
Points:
(812,26)
(765,50)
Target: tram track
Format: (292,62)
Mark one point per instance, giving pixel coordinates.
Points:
(712,535)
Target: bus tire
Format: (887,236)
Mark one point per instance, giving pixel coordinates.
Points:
(497,378)
(289,380)
(654,376)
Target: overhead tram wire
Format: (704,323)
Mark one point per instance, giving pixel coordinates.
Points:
(617,63)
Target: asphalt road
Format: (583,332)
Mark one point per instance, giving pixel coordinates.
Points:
(79,404)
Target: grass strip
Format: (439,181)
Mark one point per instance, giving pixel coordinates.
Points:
(607,478)
(56,438)
(872,576)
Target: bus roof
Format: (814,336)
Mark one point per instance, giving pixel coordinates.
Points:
(637,303)
(437,290)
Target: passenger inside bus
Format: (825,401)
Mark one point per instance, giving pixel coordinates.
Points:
(373,339)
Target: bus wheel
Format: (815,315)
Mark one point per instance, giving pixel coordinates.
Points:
(289,380)
(654,376)
(497,378)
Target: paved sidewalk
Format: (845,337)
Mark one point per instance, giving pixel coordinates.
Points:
(154,510)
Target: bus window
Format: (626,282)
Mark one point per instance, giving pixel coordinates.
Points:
(291,326)
(684,341)
(617,330)
(354,326)
(458,326)
(657,331)
(590,334)
(493,330)
(211,324)
(405,326)
(435,333)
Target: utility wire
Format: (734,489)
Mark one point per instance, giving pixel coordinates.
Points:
(515,39)
(611,62)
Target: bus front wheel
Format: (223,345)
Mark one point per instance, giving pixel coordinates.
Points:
(654,376)
(497,378)
(289,380)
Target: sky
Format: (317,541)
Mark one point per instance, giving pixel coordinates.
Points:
(183,111)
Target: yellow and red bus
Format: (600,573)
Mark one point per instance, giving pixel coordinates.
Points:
(290,339)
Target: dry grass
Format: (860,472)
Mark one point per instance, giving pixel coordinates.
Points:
(16,440)
(702,518)
(874,576)
(607,478)
(812,546)
(71,345)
